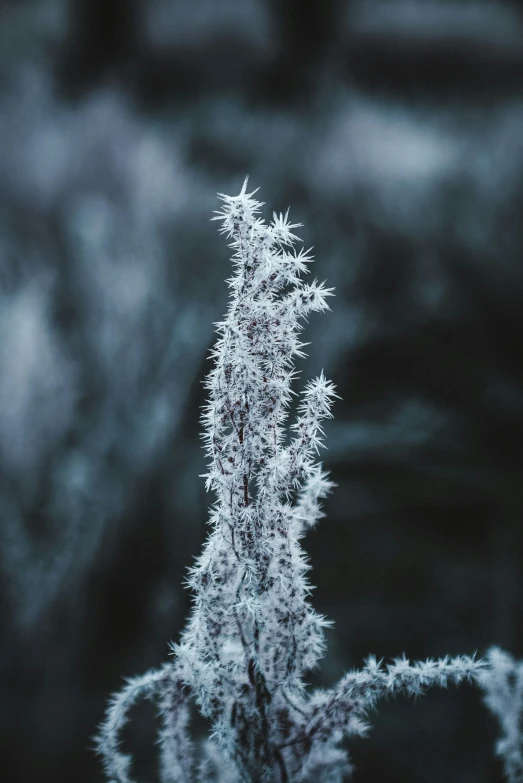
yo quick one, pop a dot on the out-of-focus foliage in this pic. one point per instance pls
(394, 130)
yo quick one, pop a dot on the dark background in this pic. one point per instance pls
(394, 130)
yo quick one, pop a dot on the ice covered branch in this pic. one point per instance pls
(252, 634)
(502, 682)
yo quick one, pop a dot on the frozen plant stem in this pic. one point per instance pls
(502, 683)
(252, 634)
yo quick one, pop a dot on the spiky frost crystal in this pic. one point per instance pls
(252, 634)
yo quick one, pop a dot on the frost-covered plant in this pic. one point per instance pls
(502, 682)
(252, 635)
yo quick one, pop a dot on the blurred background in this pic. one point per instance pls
(394, 130)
